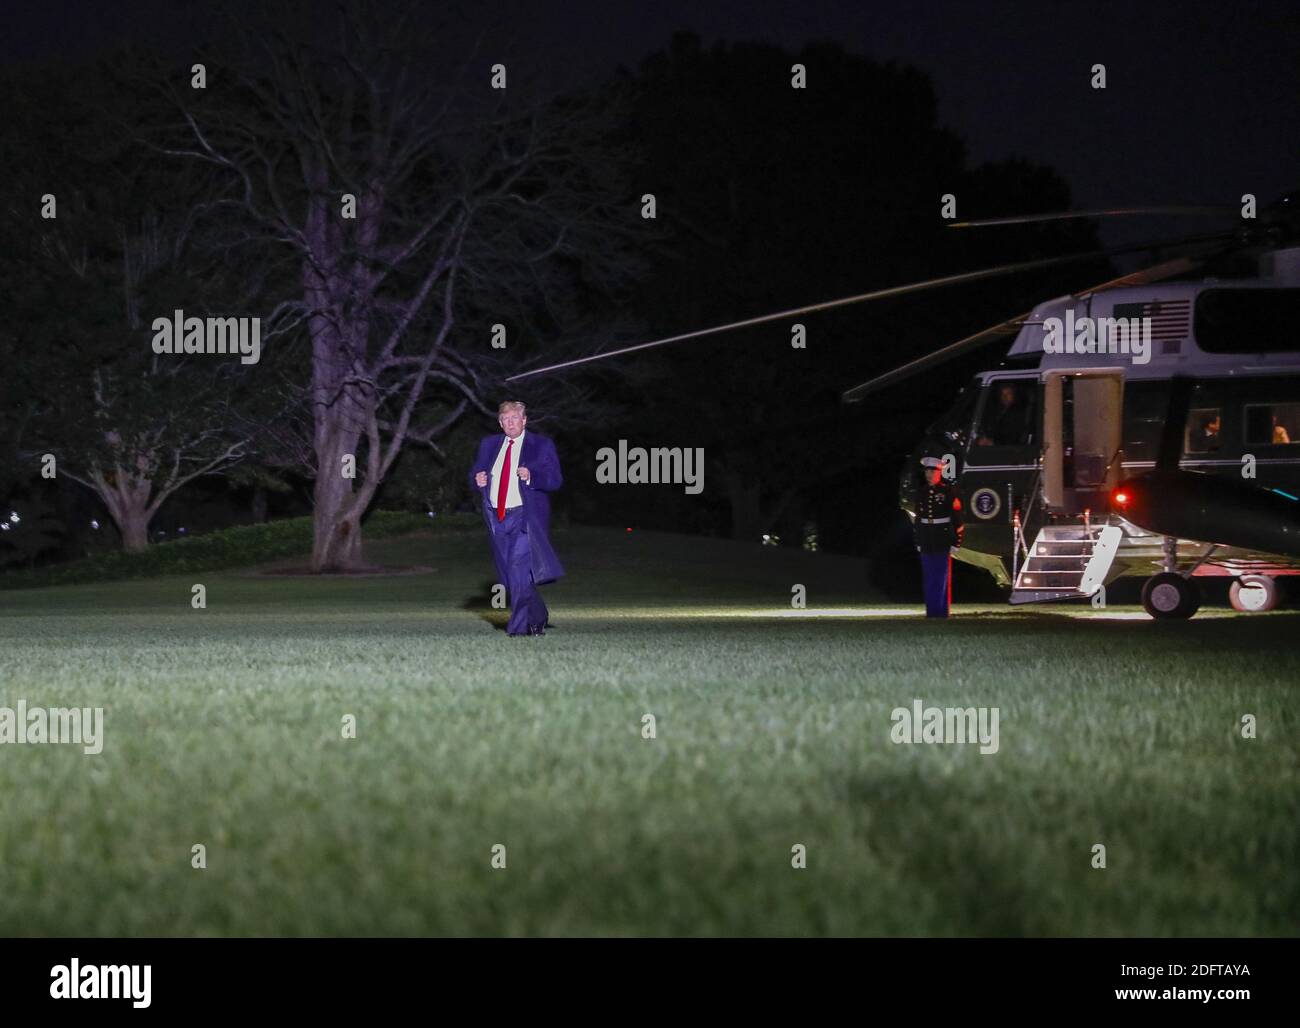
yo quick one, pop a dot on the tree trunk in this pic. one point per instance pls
(133, 523)
(259, 505)
(336, 520)
(127, 500)
(343, 397)
(336, 540)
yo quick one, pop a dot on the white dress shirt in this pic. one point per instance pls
(513, 499)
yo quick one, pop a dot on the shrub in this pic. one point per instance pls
(229, 548)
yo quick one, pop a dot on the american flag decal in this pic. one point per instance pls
(1171, 320)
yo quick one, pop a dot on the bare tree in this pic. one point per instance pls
(422, 207)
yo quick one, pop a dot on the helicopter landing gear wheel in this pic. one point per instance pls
(1252, 594)
(1168, 595)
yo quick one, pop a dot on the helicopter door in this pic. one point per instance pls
(1082, 438)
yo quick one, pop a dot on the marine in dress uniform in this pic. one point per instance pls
(936, 528)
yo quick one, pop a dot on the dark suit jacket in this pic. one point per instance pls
(543, 463)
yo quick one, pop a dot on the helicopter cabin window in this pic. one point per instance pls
(1248, 320)
(1204, 430)
(1273, 424)
(1010, 413)
(1145, 406)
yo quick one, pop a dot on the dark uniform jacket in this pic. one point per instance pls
(938, 513)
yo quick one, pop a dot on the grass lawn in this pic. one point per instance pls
(223, 728)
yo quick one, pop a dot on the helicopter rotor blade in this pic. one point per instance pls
(1155, 273)
(940, 356)
(1031, 219)
(876, 294)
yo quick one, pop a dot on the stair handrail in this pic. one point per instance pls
(1018, 523)
(1017, 546)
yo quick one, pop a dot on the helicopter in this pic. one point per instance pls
(1172, 456)
(1144, 426)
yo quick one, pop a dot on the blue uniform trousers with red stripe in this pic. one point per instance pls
(934, 574)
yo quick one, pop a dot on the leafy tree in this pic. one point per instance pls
(773, 198)
(99, 243)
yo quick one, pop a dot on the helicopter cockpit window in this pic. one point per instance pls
(1273, 424)
(1009, 417)
(954, 426)
(1204, 428)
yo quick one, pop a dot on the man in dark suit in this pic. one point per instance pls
(514, 472)
(1007, 424)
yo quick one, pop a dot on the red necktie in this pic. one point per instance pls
(503, 487)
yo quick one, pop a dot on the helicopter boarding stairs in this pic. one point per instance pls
(1067, 561)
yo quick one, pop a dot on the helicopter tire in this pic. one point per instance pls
(1169, 596)
(1253, 594)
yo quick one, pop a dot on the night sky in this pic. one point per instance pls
(1200, 105)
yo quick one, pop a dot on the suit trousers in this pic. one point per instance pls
(514, 556)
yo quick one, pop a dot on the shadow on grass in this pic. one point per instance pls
(480, 603)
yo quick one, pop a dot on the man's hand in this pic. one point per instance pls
(480, 479)
(526, 475)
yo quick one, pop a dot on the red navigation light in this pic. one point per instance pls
(1121, 498)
